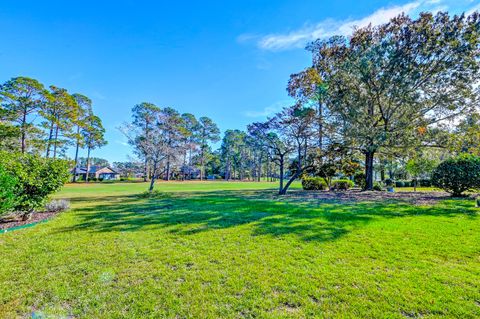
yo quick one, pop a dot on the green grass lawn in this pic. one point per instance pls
(235, 250)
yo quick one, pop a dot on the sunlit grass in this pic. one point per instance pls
(236, 250)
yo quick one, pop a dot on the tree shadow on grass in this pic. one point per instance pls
(191, 213)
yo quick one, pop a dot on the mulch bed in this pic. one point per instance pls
(416, 198)
(37, 217)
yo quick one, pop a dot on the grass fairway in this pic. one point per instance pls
(235, 250)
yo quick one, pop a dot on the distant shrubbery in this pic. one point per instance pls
(458, 175)
(342, 184)
(31, 179)
(377, 187)
(314, 183)
(360, 180)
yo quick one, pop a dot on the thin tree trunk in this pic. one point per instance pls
(281, 164)
(55, 142)
(23, 126)
(167, 177)
(77, 146)
(369, 170)
(202, 164)
(49, 141)
(88, 165)
(145, 169)
(152, 181)
(320, 128)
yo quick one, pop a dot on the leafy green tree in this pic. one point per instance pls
(458, 175)
(466, 136)
(84, 110)
(296, 123)
(61, 113)
(388, 83)
(22, 99)
(190, 142)
(420, 166)
(93, 135)
(172, 126)
(96, 161)
(277, 145)
(208, 132)
(308, 86)
(144, 117)
(37, 179)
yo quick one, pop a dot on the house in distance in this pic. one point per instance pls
(96, 172)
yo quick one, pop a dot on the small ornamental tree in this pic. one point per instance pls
(458, 175)
(37, 179)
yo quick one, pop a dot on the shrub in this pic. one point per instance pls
(342, 184)
(458, 175)
(377, 187)
(399, 184)
(389, 182)
(424, 182)
(59, 205)
(314, 183)
(360, 180)
(8, 189)
(37, 178)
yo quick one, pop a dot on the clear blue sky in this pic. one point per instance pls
(229, 60)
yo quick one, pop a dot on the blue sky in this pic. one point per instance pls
(229, 60)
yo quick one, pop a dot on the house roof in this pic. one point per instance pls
(93, 169)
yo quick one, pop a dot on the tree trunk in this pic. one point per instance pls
(369, 170)
(281, 164)
(145, 169)
(284, 190)
(320, 124)
(77, 146)
(167, 176)
(88, 165)
(49, 141)
(152, 181)
(23, 126)
(55, 142)
(202, 164)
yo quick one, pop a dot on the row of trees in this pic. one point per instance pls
(387, 91)
(39, 120)
(396, 98)
(169, 142)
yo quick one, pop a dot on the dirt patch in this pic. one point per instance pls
(37, 217)
(416, 198)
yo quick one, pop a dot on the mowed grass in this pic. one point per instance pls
(236, 250)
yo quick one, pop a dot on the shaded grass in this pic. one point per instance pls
(244, 253)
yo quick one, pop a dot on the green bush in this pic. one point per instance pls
(424, 182)
(389, 182)
(399, 184)
(458, 175)
(360, 180)
(377, 187)
(342, 184)
(37, 178)
(314, 183)
(8, 189)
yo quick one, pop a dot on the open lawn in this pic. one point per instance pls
(236, 250)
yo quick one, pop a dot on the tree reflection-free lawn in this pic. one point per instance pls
(235, 250)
